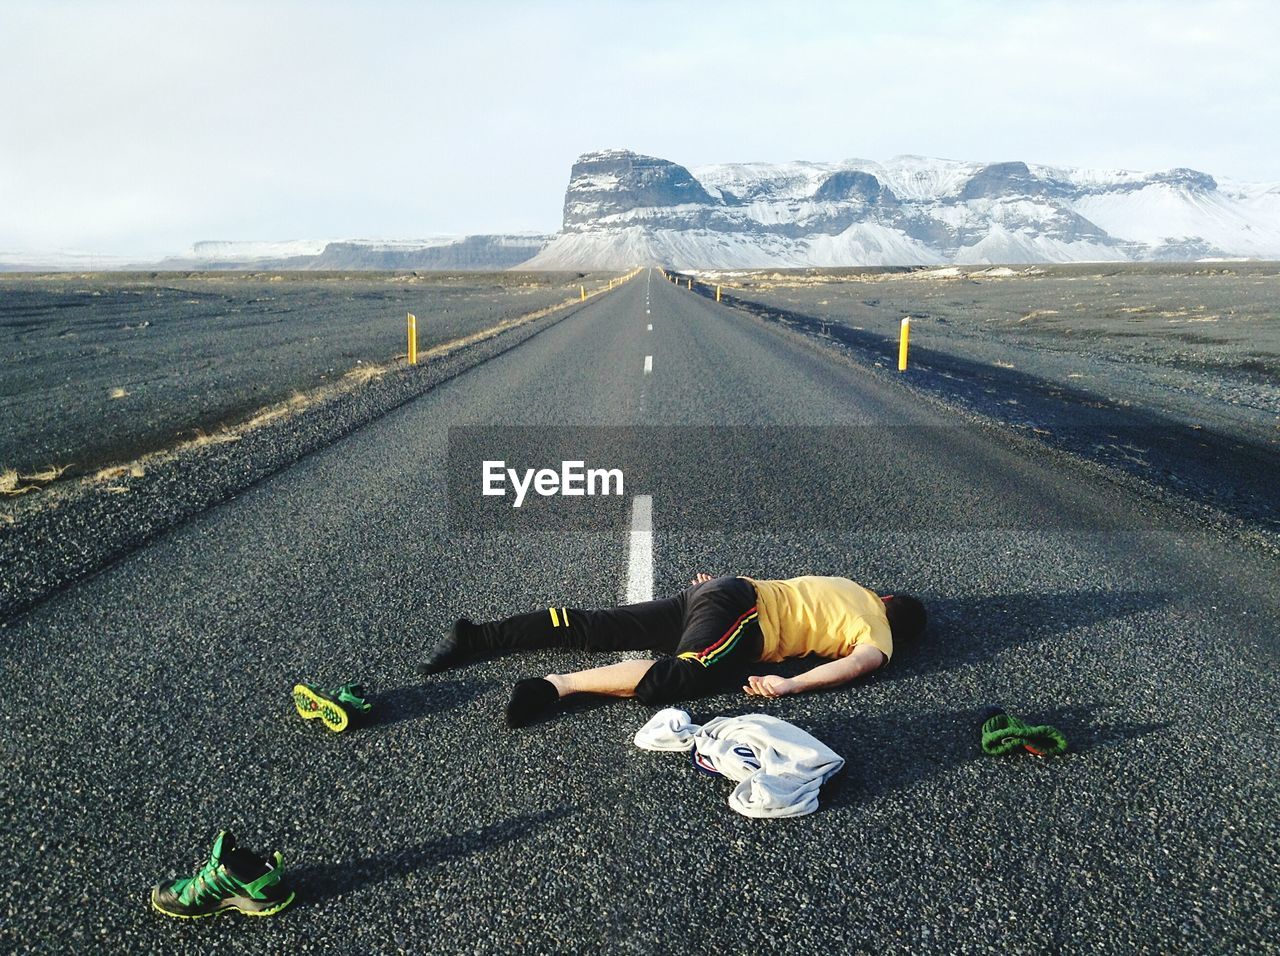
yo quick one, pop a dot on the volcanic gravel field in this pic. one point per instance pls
(96, 369)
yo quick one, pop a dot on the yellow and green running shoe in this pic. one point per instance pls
(233, 879)
(337, 708)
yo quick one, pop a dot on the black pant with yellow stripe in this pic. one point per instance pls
(705, 635)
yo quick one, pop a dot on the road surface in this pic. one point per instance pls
(149, 706)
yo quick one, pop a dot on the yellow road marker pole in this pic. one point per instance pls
(582, 293)
(413, 339)
(717, 293)
(690, 285)
(902, 345)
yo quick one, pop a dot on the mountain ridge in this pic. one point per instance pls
(623, 207)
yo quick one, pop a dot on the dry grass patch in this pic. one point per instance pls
(296, 403)
(361, 374)
(218, 437)
(12, 483)
(52, 473)
(118, 393)
(116, 472)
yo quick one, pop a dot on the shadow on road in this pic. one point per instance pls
(895, 754)
(968, 630)
(422, 700)
(321, 882)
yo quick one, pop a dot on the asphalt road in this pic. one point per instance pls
(148, 706)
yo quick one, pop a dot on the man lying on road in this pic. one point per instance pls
(706, 635)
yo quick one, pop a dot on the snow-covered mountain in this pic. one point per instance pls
(622, 208)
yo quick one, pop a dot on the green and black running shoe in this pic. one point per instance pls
(337, 708)
(233, 879)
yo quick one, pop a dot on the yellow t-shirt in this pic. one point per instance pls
(823, 616)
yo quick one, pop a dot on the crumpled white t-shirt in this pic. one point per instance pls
(779, 767)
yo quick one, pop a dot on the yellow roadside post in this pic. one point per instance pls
(690, 285)
(902, 345)
(582, 293)
(413, 339)
(717, 293)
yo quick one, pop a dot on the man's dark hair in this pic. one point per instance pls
(907, 617)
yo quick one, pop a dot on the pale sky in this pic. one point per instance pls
(138, 128)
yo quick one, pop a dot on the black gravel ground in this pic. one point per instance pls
(148, 706)
(97, 369)
(1168, 373)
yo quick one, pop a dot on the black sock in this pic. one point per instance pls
(450, 649)
(529, 698)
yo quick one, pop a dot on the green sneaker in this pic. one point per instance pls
(233, 879)
(336, 708)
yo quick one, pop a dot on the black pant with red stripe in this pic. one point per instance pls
(705, 635)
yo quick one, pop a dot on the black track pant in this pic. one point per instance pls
(705, 633)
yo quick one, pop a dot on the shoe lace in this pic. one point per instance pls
(208, 882)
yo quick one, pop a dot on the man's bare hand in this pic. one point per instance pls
(700, 578)
(771, 685)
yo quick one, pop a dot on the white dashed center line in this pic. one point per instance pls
(640, 560)
(649, 327)
(648, 364)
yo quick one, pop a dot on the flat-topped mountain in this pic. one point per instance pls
(623, 208)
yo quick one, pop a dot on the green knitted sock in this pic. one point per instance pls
(1003, 733)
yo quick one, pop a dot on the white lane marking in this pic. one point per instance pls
(648, 364)
(640, 559)
(647, 312)
(649, 327)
